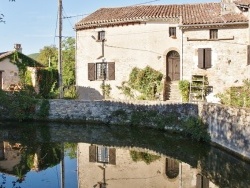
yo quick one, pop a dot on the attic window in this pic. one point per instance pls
(172, 32)
(101, 36)
(213, 34)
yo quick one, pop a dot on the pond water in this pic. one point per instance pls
(67, 156)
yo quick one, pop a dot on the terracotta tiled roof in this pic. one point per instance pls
(5, 54)
(205, 13)
(242, 2)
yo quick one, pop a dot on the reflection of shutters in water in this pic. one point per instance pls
(112, 156)
(92, 153)
(102, 154)
(1, 151)
(202, 182)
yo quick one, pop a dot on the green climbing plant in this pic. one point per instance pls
(184, 86)
(143, 84)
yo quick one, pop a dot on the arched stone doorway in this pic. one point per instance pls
(173, 66)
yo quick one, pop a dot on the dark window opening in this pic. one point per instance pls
(172, 32)
(101, 36)
(213, 33)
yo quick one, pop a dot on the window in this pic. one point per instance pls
(101, 36)
(204, 58)
(102, 154)
(213, 34)
(172, 32)
(101, 71)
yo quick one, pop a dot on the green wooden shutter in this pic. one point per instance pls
(92, 153)
(91, 71)
(111, 71)
(112, 156)
(208, 58)
(200, 58)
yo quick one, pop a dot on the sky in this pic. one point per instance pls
(33, 23)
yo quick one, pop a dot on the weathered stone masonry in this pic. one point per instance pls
(229, 127)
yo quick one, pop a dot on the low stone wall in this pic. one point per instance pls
(229, 127)
(114, 112)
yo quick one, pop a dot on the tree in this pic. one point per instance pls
(48, 56)
(68, 58)
(1, 15)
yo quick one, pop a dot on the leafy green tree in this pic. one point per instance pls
(68, 53)
(48, 56)
(1, 15)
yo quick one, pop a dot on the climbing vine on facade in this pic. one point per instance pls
(143, 84)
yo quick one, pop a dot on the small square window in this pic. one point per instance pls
(172, 32)
(101, 36)
(213, 33)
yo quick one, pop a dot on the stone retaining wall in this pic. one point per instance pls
(229, 127)
(114, 111)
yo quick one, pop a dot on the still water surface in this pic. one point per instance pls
(68, 156)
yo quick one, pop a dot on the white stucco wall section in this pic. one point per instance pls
(128, 46)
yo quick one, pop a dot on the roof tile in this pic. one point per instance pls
(201, 13)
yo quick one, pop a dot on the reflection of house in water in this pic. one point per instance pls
(101, 167)
(9, 156)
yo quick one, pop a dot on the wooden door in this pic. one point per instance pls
(173, 66)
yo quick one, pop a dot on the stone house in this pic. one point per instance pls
(207, 39)
(9, 71)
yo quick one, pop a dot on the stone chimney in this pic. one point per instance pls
(18, 47)
(228, 6)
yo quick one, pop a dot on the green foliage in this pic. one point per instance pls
(48, 56)
(71, 150)
(146, 81)
(196, 129)
(191, 126)
(47, 80)
(106, 88)
(143, 156)
(237, 96)
(17, 105)
(44, 109)
(68, 52)
(71, 93)
(184, 87)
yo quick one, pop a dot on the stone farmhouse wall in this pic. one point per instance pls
(129, 46)
(10, 75)
(229, 56)
(228, 127)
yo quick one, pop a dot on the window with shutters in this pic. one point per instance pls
(172, 32)
(102, 154)
(213, 34)
(204, 58)
(101, 71)
(101, 36)
(201, 181)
